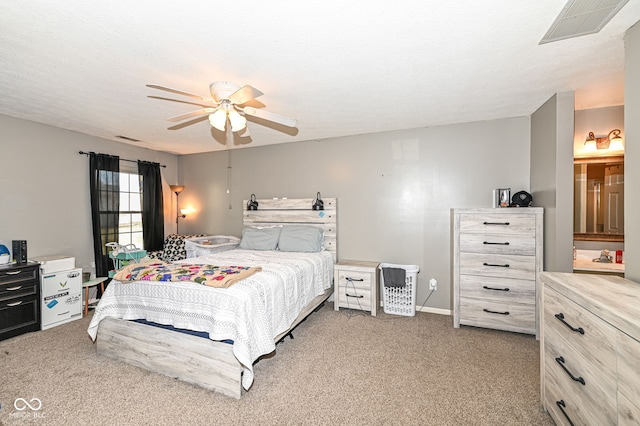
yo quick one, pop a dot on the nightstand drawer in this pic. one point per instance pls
(354, 297)
(355, 279)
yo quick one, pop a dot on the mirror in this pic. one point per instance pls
(598, 202)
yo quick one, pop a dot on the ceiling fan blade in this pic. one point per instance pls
(180, 92)
(245, 94)
(192, 114)
(271, 116)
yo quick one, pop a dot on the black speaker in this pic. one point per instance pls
(19, 250)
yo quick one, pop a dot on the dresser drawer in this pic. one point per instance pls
(496, 223)
(498, 289)
(18, 289)
(354, 279)
(354, 297)
(582, 331)
(564, 407)
(588, 387)
(498, 243)
(629, 377)
(17, 314)
(628, 412)
(498, 265)
(18, 275)
(500, 315)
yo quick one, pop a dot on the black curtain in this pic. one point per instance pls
(104, 180)
(152, 205)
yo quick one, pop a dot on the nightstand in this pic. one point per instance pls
(357, 285)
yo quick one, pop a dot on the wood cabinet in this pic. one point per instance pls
(19, 299)
(590, 349)
(497, 259)
(357, 284)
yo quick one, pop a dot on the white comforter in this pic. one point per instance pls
(251, 312)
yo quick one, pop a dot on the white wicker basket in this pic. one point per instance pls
(400, 300)
(202, 246)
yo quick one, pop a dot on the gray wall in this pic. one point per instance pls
(44, 187)
(395, 190)
(552, 129)
(632, 153)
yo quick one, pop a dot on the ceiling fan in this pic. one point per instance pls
(228, 107)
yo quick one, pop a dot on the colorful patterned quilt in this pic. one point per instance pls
(211, 275)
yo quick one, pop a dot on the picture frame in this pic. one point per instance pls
(503, 198)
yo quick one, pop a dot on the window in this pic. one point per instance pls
(130, 218)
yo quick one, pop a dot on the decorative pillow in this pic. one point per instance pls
(260, 238)
(300, 238)
(173, 248)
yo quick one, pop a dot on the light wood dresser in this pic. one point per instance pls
(590, 349)
(497, 259)
(357, 283)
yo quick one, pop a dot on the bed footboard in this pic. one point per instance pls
(192, 359)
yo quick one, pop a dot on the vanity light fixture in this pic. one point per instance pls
(612, 141)
(181, 213)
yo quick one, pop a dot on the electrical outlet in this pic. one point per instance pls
(433, 284)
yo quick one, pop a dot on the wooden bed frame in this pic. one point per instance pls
(203, 362)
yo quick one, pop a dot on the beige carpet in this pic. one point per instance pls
(343, 368)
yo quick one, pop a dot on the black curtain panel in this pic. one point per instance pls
(152, 205)
(104, 180)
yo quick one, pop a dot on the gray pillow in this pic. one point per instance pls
(260, 238)
(300, 238)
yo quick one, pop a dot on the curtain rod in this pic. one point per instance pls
(121, 159)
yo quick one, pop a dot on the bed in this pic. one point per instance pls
(243, 321)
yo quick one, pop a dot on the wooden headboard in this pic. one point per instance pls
(297, 211)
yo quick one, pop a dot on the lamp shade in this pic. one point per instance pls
(218, 119)
(238, 122)
(177, 188)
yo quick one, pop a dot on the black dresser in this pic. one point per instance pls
(19, 299)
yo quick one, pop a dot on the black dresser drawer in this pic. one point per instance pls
(18, 274)
(19, 299)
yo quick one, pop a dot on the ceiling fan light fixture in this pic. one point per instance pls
(218, 119)
(238, 122)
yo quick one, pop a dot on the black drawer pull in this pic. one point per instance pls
(496, 289)
(15, 303)
(560, 360)
(353, 295)
(497, 223)
(506, 265)
(495, 244)
(354, 279)
(14, 288)
(496, 312)
(561, 405)
(560, 318)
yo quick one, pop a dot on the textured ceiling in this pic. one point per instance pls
(340, 68)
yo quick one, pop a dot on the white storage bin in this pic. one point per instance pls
(400, 300)
(202, 246)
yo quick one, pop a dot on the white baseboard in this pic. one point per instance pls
(434, 310)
